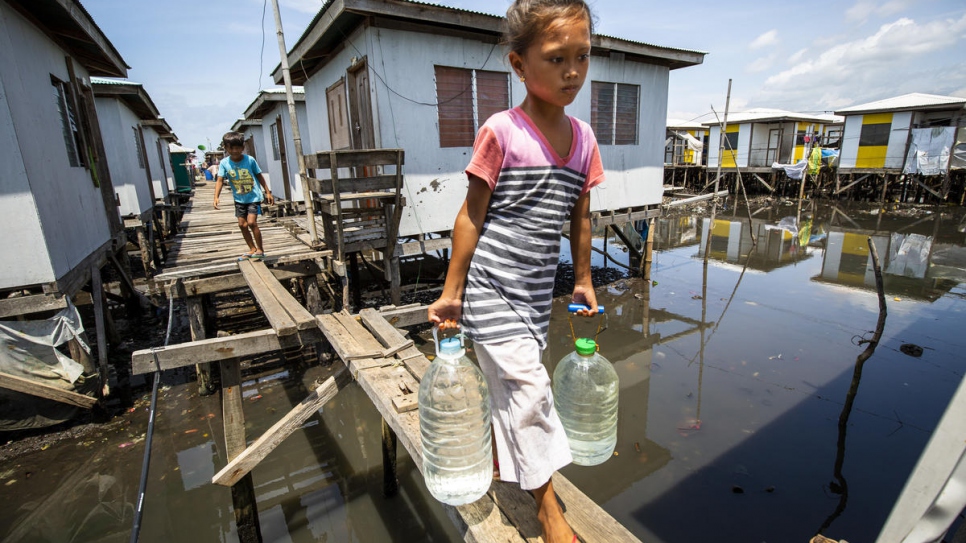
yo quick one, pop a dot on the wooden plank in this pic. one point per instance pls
(247, 460)
(33, 388)
(355, 366)
(215, 268)
(386, 333)
(342, 341)
(592, 524)
(97, 293)
(408, 402)
(362, 184)
(303, 319)
(221, 283)
(351, 159)
(362, 336)
(25, 305)
(278, 317)
(207, 350)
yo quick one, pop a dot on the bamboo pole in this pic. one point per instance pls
(721, 138)
(290, 98)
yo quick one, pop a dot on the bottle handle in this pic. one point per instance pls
(573, 308)
(436, 332)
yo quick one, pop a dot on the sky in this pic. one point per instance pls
(204, 61)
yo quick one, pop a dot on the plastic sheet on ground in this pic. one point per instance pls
(29, 348)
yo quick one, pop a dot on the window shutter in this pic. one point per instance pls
(625, 130)
(602, 112)
(492, 93)
(454, 98)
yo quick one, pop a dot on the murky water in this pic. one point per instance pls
(734, 378)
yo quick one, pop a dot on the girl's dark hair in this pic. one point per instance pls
(525, 19)
(233, 139)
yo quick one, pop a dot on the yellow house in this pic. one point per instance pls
(909, 134)
(757, 138)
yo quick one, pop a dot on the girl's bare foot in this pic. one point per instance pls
(551, 517)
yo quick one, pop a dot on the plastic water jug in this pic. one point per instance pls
(585, 389)
(454, 422)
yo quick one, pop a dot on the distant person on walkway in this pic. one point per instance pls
(241, 171)
(532, 170)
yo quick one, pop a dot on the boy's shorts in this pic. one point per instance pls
(244, 210)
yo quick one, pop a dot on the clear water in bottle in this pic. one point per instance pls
(585, 389)
(454, 422)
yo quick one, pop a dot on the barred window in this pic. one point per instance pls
(138, 147)
(273, 130)
(614, 112)
(68, 119)
(465, 100)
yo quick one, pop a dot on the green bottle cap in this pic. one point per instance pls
(585, 346)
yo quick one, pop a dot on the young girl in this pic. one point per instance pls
(532, 170)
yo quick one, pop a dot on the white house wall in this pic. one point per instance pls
(28, 263)
(849, 151)
(159, 176)
(274, 167)
(118, 124)
(896, 152)
(435, 183)
(68, 207)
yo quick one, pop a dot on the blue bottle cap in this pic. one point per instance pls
(450, 346)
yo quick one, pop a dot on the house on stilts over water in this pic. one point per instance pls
(424, 77)
(268, 138)
(136, 140)
(58, 208)
(909, 148)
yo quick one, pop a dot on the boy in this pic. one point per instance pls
(241, 171)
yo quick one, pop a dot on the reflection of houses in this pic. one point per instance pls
(910, 134)
(423, 77)
(758, 138)
(276, 146)
(731, 242)
(135, 140)
(913, 265)
(672, 232)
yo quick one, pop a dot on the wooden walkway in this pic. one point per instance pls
(375, 353)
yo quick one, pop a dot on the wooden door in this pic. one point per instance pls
(360, 107)
(283, 156)
(340, 136)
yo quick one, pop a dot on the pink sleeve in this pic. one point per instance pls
(595, 170)
(487, 160)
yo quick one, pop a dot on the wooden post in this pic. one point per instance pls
(144, 245)
(242, 492)
(97, 293)
(196, 321)
(130, 293)
(649, 249)
(390, 484)
(82, 357)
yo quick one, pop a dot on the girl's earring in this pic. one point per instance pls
(523, 79)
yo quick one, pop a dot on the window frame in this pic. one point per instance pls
(273, 132)
(458, 118)
(609, 114)
(70, 122)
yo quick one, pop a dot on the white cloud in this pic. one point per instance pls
(961, 93)
(892, 43)
(766, 39)
(797, 56)
(863, 9)
(761, 64)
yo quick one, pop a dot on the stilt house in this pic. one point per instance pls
(57, 200)
(131, 127)
(757, 138)
(252, 129)
(686, 143)
(913, 134)
(277, 158)
(424, 77)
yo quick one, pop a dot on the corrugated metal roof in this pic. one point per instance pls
(759, 115)
(112, 81)
(678, 123)
(915, 100)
